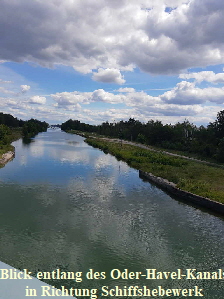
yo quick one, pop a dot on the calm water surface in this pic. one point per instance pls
(67, 205)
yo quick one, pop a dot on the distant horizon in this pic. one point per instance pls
(111, 122)
(112, 60)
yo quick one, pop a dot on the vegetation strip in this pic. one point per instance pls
(189, 176)
(198, 142)
(156, 150)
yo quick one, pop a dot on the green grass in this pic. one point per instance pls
(195, 177)
(85, 134)
(5, 148)
(153, 147)
(187, 154)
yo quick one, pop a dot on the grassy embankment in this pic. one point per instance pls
(191, 176)
(156, 148)
(15, 134)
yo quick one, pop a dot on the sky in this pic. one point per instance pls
(111, 60)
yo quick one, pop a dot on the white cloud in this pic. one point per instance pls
(24, 88)
(187, 93)
(107, 35)
(126, 89)
(71, 98)
(184, 100)
(132, 98)
(4, 102)
(108, 76)
(165, 113)
(101, 95)
(141, 98)
(37, 100)
(5, 82)
(207, 76)
(5, 91)
(110, 115)
(183, 94)
(137, 105)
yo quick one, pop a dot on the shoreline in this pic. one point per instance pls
(7, 152)
(6, 157)
(172, 189)
(147, 147)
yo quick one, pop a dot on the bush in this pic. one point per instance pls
(4, 134)
(220, 151)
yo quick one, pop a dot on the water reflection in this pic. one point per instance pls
(73, 207)
(27, 141)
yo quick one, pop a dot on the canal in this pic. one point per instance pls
(65, 205)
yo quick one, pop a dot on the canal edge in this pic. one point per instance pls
(171, 188)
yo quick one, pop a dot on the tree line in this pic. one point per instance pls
(29, 128)
(33, 126)
(183, 136)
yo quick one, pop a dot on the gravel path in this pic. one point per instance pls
(160, 151)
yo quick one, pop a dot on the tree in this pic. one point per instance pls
(218, 125)
(33, 127)
(220, 151)
(4, 133)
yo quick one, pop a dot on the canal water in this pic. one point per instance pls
(65, 205)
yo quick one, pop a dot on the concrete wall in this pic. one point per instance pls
(187, 196)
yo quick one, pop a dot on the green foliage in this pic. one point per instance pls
(160, 158)
(4, 134)
(33, 127)
(8, 135)
(11, 129)
(10, 121)
(218, 125)
(189, 175)
(141, 138)
(29, 128)
(185, 136)
(220, 151)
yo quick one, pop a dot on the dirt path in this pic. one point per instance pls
(159, 151)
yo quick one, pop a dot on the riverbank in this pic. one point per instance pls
(7, 151)
(187, 175)
(7, 157)
(172, 189)
(182, 154)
